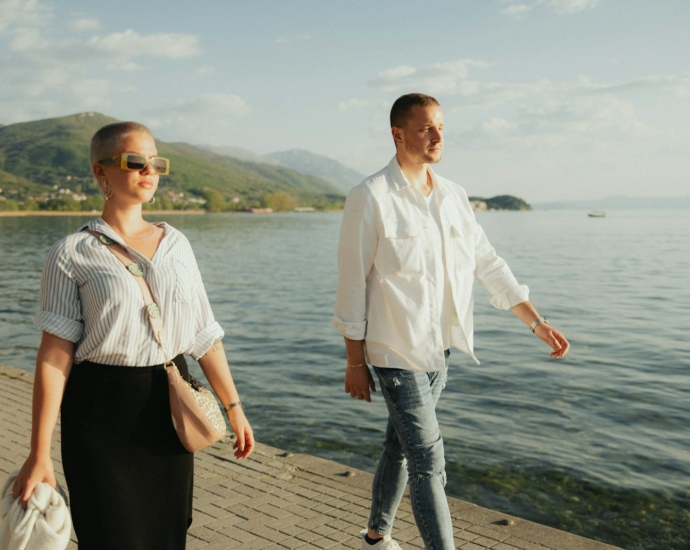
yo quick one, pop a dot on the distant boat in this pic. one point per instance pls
(597, 214)
(261, 210)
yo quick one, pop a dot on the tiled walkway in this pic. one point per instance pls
(279, 500)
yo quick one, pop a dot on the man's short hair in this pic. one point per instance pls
(107, 139)
(401, 111)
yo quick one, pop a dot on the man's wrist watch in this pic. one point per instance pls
(538, 321)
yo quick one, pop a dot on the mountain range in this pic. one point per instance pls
(48, 160)
(41, 156)
(306, 162)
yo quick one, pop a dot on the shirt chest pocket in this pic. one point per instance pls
(182, 282)
(400, 250)
(462, 240)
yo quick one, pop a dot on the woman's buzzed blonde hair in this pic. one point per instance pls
(106, 140)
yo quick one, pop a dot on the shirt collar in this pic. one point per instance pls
(99, 225)
(400, 181)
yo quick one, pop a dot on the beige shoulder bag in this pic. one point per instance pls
(195, 411)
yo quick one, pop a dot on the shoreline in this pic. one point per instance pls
(51, 213)
(26, 213)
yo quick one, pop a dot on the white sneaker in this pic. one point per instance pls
(386, 543)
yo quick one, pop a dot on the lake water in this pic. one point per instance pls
(597, 443)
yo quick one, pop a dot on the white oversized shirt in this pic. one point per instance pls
(443, 290)
(388, 287)
(88, 297)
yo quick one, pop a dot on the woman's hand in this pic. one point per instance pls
(34, 471)
(53, 365)
(244, 445)
(215, 367)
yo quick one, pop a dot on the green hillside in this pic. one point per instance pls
(39, 158)
(503, 202)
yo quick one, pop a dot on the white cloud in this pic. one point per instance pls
(497, 126)
(516, 11)
(450, 79)
(130, 44)
(568, 126)
(23, 12)
(206, 70)
(208, 118)
(354, 103)
(216, 105)
(83, 24)
(583, 114)
(572, 6)
(28, 39)
(32, 49)
(678, 84)
(438, 78)
(60, 67)
(562, 7)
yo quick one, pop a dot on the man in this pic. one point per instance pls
(410, 249)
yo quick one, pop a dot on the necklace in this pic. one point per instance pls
(141, 238)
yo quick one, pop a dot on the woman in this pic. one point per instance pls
(130, 479)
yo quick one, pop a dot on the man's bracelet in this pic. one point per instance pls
(538, 321)
(355, 366)
(232, 405)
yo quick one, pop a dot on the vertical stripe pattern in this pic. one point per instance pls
(88, 297)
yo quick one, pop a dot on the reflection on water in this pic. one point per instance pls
(596, 444)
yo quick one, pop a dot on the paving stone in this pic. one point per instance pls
(324, 543)
(285, 521)
(488, 532)
(205, 534)
(220, 524)
(340, 536)
(292, 543)
(524, 544)
(291, 530)
(236, 533)
(485, 542)
(270, 534)
(307, 536)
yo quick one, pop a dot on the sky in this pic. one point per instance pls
(543, 99)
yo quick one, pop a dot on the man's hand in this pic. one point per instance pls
(527, 313)
(359, 382)
(553, 338)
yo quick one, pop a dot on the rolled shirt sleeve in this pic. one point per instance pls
(207, 329)
(60, 310)
(356, 251)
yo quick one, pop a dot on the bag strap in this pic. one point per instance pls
(153, 311)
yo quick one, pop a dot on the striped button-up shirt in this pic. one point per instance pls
(88, 297)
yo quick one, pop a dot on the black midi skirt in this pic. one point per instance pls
(130, 480)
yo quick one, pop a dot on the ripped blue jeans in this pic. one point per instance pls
(412, 452)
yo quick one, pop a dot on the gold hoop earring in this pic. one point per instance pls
(106, 189)
(152, 201)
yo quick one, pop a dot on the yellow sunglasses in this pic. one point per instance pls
(134, 162)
